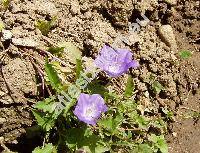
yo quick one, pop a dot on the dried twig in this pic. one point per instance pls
(54, 57)
(41, 74)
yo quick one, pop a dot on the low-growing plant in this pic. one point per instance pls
(97, 120)
(192, 114)
(45, 26)
(2, 26)
(5, 4)
(157, 87)
(185, 54)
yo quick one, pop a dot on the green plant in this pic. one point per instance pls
(129, 87)
(48, 148)
(193, 114)
(2, 26)
(5, 4)
(122, 127)
(185, 54)
(168, 114)
(159, 143)
(45, 26)
(56, 50)
(157, 87)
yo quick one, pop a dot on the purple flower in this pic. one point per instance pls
(115, 62)
(89, 108)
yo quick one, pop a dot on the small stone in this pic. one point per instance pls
(45, 7)
(75, 8)
(2, 120)
(174, 134)
(7, 35)
(2, 93)
(24, 42)
(15, 8)
(133, 38)
(171, 2)
(141, 86)
(88, 15)
(1, 140)
(84, 7)
(14, 142)
(153, 67)
(167, 35)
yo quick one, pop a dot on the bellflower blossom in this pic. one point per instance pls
(89, 108)
(115, 62)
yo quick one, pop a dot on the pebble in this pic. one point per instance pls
(141, 86)
(15, 8)
(167, 35)
(24, 42)
(75, 8)
(7, 35)
(45, 7)
(2, 120)
(171, 2)
(2, 93)
(133, 38)
(1, 140)
(174, 134)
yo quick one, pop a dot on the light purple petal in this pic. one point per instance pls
(124, 55)
(134, 64)
(89, 108)
(115, 62)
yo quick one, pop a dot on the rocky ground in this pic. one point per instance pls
(174, 26)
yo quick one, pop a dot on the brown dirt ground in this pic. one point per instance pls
(185, 137)
(89, 24)
(187, 134)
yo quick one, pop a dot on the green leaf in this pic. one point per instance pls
(77, 138)
(185, 54)
(46, 121)
(111, 96)
(47, 105)
(143, 148)
(53, 76)
(169, 114)
(157, 87)
(2, 26)
(96, 88)
(5, 3)
(79, 68)
(130, 86)
(127, 106)
(111, 123)
(159, 142)
(48, 148)
(45, 26)
(56, 50)
(162, 145)
(142, 121)
(73, 52)
(107, 124)
(195, 115)
(68, 106)
(160, 124)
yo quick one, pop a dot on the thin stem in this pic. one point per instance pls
(54, 57)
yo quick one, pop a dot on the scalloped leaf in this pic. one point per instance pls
(53, 76)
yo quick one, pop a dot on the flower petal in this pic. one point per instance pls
(89, 108)
(115, 62)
